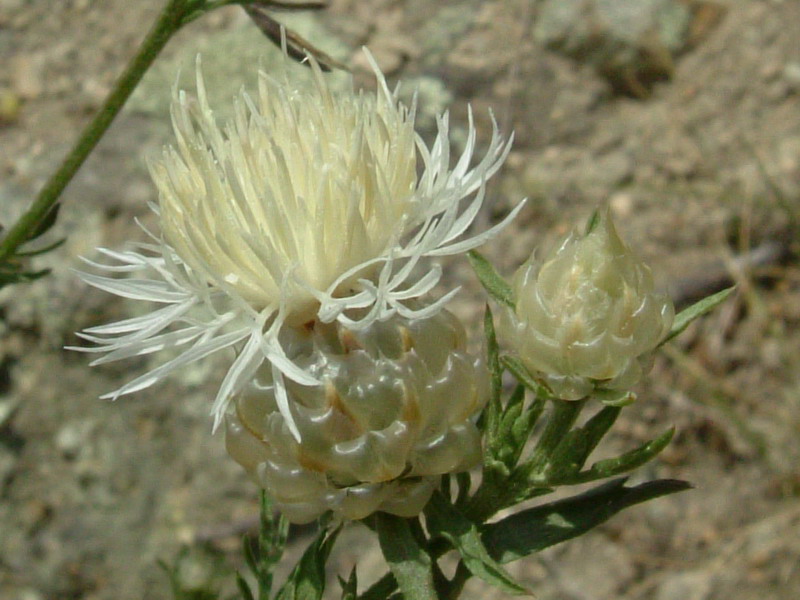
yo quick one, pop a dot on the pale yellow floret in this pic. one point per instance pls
(302, 186)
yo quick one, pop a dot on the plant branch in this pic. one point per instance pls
(172, 17)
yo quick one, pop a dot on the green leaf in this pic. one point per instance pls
(574, 449)
(349, 587)
(10, 276)
(490, 279)
(444, 520)
(559, 422)
(628, 461)
(521, 429)
(464, 480)
(244, 588)
(490, 417)
(46, 223)
(40, 251)
(540, 527)
(594, 220)
(522, 375)
(381, 589)
(696, 310)
(249, 555)
(410, 563)
(307, 580)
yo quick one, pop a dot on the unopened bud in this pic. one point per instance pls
(588, 315)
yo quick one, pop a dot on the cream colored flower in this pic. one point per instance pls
(587, 315)
(394, 411)
(307, 205)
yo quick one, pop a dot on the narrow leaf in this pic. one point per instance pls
(244, 588)
(443, 519)
(349, 587)
(46, 223)
(40, 251)
(521, 429)
(522, 375)
(381, 589)
(410, 563)
(490, 279)
(628, 461)
(537, 528)
(572, 452)
(490, 417)
(696, 310)
(307, 580)
(464, 480)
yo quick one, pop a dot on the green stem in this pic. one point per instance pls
(563, 417)
(171, 19)
(494, 495)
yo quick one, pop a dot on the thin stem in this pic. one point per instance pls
(172, 17)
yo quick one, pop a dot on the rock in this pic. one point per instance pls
(632, 43)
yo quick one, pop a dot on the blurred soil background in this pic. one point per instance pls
(684, 116)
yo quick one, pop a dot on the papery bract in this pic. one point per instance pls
(587, 315)
(394, 411)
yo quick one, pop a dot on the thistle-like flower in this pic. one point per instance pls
(395, 410)
(306, 206)
(588, 315)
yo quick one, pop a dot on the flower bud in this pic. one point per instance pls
(587, 317)
(394, 410)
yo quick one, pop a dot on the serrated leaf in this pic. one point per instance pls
(696, 310)
(490, 279)
(444, 520)
(537, 528)
(410, 563)
(628, 461)
(307, 580)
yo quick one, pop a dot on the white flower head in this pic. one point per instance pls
(306, 204)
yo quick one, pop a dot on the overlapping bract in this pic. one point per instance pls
(395, 410)
(587, 315)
